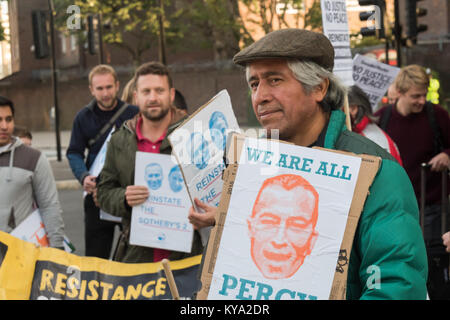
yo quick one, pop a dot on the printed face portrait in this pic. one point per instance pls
(282, 225)
(218, 125)
(175, 179)
(153, 176)
(197, 148)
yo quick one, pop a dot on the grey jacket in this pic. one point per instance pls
(26, 178)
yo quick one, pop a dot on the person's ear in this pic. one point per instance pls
(321, 89)
(172, 95)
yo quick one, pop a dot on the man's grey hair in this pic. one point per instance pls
(310, 75)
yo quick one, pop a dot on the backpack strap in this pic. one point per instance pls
(109, 124)
(384, 120)
(437, 141)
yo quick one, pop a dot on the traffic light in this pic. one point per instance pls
(376, 15)
(412, 14)
(91, 35)
(40, 38)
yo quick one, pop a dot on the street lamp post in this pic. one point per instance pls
(397, 33)
(162, 42)
(55, 80)
(100, 37)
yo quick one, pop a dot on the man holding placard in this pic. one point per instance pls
(90, 130)
(294, 91)
(147, 132)
(26, 181)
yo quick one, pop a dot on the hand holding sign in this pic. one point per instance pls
(89, 183)
(204, 219)
(136, 195)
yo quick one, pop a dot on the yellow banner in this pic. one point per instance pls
(30, 272)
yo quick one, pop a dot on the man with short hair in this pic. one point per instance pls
(26, 179)
(146, 132)
(421, 131)
(293, 90)
(90, 129)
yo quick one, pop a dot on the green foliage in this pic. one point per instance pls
(313, 17)
(130, 25)
(134, 24)
(211, 23)
(270, 15)
(2, 34)
(361, 42)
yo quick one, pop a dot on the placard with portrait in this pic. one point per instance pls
(161, 221)
(282, 223)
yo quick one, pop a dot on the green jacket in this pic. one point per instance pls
(118, 173)
(388, 241)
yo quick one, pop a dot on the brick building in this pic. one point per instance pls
(28, 81)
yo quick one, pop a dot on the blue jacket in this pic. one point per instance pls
(86, 125)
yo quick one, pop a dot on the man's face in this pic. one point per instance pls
(6, 125)
(153, 96)
(279, 100)
(282, 230)
(153, 176)
(104, 89)
(414, 99)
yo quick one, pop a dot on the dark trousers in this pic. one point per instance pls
(98, 234)
(438, 260)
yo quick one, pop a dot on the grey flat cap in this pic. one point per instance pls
(290, 44)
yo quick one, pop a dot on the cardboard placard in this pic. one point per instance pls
(250, 289)
(335, 28)
(95, 170)
(32, 229)
(161, 221)
(373, 77)
(198, 145)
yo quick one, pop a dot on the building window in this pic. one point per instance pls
(73, 42)
(62, 36)
(5, 46)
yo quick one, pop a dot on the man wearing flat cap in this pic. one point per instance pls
(294, 91)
